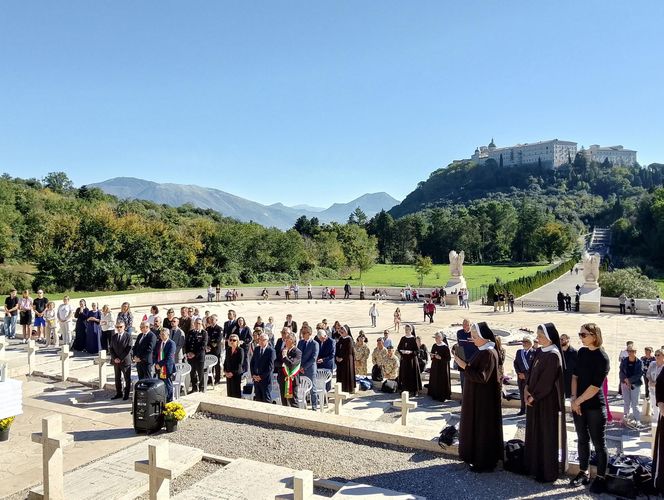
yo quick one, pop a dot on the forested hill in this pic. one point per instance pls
(580, 181)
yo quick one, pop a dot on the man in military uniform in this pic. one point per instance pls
(196, 342)
(215, 343)
(390, 365)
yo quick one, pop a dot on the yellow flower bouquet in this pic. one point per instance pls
(6, 423)
(174, 411)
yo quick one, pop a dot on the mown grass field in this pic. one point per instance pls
(660, 283)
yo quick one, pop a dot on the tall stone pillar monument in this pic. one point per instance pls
(456, 281)
(590, 295)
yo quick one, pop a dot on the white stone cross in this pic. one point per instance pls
(53, 440)
(303, 485)
(102, 368)
(32, 357)
(339, 397)
(405, 405)
(4, 368)
(158, 468)
(64, 358)
(3, 345)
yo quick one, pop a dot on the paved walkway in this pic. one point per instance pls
(547, 293)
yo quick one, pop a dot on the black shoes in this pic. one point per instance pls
(117, 396)
(581, 478)
(125, 397)
(598, 486)
(521, 413)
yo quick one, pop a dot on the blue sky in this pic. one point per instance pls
(317, 102)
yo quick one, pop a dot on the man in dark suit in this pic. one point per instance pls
(289, 375)
(290, 323)
(119, 347)
(262, 365)
(279, 348)
(215, 345)
(230, 326)
(165, 364)
(195, 352)
(143, 351)
(522, 363)
(309, 349)
(177, 336)
(185, 320)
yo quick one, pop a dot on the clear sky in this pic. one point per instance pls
(318, 101)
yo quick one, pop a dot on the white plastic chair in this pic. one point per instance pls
(210, 362)
(275, 390)
(181, 372)
(304, 387)
(323, 376)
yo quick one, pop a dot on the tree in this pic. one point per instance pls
(58, 182)
(629, 281)
(358, 247)
(423, 267)
(553, 239)
(357, 217)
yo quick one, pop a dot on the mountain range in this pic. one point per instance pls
(229, 205)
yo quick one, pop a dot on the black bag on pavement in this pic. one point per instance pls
(447, 436)
(390, 386)
(377, 373)
(515, 451)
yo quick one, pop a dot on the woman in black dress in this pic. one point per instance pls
(245, 336)
(409, 369)
(345, 358)
(233, 367)
(422, 354)
(81, 315)
(440, 387)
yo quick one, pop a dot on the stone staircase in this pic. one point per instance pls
(600, 241)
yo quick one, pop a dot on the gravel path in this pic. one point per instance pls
(393, 467)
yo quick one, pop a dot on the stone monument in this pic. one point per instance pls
(456, 281)
(590, 295)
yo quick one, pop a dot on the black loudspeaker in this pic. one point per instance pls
(149, 401)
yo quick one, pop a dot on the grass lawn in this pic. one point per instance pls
(660, 283)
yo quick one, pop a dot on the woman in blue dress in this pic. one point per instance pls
(93, 330)
(81, 315)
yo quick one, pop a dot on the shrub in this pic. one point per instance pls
(527, 284)
(629, 281)
(14, 279)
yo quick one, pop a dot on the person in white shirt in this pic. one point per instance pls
(373, 314)
(65, 314)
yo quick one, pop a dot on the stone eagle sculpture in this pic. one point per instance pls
(456, 263)
(591, 268)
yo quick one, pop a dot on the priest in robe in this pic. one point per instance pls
(345, 358)
(546, 432)
(481, 428)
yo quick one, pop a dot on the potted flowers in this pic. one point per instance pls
(5, 424)
(173, 413)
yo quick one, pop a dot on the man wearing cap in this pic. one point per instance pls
(522, 363)
(119, 348)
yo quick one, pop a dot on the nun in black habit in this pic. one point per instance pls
(545, 408)
(481, 427)
(409, 369)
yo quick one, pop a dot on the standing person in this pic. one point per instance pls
(127, 317)
(165, 364)
(233, 367)
(39, 308)
(196, 342)
(230, 325)
(373, 314)
(309, 294)
(25, 315)
(363, 291)
(397, 320)
(217, 292)
(106, 326)
(296, 291)
(215, 345)
(654, 369)
(245, 336)
(11, 313)
(144, 351)
(466, 297)
(622, 301)
(465, 342)
(93, 330)
(631, 373)
(658, 447)
(154, 312)
(361, 352)
(168, 320)
(561, 300)
(210, 293)
(65, 315)
(309, 349)
(345, 358)
(422, 354)
(269, 330)
(546, 433)
(645, 362)
(387, 341)
(510, 301)
(325, 359)
(658, 301)
(440, 387)
(119, 348)
(186, 321)
(177, 336)
(81, 315)
(290, 323)
(588, 405)
(481, 427)
(288, 377)
(409, 370)
(522, 363)
(262, 365)
(622, 355)
(51, 320)
(569, 354)
(347, 291)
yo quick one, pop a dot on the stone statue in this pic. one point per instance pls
(456, 263)
(591, 268)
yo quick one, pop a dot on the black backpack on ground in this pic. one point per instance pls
(377, 373)
(515, 460)
(390, 386)
(447, 436)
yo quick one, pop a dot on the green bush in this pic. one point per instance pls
(14, 279)
(527, 284)
(629, 281)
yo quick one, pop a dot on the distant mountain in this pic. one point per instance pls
(229, 205)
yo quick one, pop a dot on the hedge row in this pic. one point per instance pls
(527, 284)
